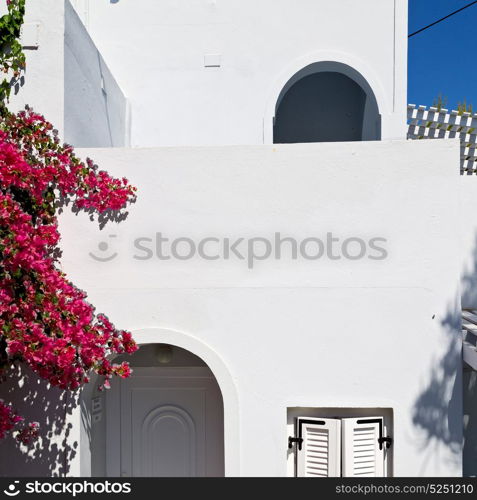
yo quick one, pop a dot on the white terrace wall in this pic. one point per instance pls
(434, 123)
(288, 333)
(210, 72)
(468, 225)
(82, 9)
(67, 79)
(96, 111)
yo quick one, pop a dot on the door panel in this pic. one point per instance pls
(171, 423)
(171, 426)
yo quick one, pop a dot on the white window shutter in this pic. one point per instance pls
(320, 453)
(362, 454)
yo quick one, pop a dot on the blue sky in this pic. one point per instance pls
(442, 58)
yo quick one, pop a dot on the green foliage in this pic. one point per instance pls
(464, 107)
(440, 102)
(12, 58)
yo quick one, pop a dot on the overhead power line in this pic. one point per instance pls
(443, 19)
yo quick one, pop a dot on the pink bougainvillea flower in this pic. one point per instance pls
(45, 321)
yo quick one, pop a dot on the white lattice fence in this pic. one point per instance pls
(431, 123)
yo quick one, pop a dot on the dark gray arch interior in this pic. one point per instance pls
(93, 435)
(326, 102)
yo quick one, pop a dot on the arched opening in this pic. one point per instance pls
(165, 420)
(326, 102)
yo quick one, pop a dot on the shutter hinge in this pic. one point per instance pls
(381, 439)
(299, 432)
(298, 441)
(388, 440)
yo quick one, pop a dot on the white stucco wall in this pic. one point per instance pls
(285, 334)
(44, 77)
(156, 50)
(296, 333)
(468, 196)
(96, 110)
(67, 79)
(82, 9)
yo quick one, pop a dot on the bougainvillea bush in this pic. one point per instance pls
(45, 321)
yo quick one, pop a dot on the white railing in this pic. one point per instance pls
(434, 123)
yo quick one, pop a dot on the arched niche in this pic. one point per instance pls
(326, 102)
(101, 437)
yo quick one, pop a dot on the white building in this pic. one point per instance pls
(336, 316)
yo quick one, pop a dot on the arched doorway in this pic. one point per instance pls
(165, 420)
(326, 102)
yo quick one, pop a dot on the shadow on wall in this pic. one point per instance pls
(438, 409)
(34, 399)
(470, 422)
(449, 388)
(469, 282)
(469, 301)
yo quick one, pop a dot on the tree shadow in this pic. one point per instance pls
(32, 397)
(469, 281)
(437, 412)
(446, 411)
(469, 301)
(470, 423)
